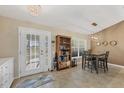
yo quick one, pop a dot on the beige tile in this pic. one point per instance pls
(77, 78)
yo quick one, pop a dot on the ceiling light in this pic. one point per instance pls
(93, 36)
(34, 9)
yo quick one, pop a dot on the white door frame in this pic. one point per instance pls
(19, 50)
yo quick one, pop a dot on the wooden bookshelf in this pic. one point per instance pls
(63, 51)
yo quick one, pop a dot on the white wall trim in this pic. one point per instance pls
(116, 65)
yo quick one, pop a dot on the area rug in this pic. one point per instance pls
(35, 82)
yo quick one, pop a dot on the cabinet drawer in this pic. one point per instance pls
(6, 73)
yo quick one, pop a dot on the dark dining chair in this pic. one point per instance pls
(103, 61)
(84, 58)
(90, 62)
(87, 61)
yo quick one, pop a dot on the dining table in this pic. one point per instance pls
(95, 57)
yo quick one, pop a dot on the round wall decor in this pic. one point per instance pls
(98, 43)
(105, 43)
(113, 43)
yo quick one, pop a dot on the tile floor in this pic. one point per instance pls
(77, 78)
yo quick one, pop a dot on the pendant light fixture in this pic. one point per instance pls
(34, 9)
(93, 36)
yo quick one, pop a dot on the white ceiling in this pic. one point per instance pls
(76, 18)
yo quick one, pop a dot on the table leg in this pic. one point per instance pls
(96, 65)
(82, 63)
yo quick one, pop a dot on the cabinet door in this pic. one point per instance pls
(6, 75)
(11, 70)
(1, 77)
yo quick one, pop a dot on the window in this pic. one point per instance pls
(81, 47)
(74, 48)
(78, 46)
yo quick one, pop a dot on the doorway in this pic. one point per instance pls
(34, 51)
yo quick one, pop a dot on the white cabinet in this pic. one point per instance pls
(6, 72)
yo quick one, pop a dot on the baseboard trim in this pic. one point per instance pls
(116, 65)
(16, 77)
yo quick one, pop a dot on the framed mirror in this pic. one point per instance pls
(98, 43)
(105, 43)
(113, 43)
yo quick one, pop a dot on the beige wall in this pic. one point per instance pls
(9, 36)
(115, 32)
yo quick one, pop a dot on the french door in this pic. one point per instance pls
(34, 51)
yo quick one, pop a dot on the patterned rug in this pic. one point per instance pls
(35, 82)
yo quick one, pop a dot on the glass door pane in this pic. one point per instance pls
(46, 50)
(32, 52)
(37, 51)
(28, 49)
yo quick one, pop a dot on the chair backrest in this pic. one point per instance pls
(85, 54)
(107, 54)
(88, 56)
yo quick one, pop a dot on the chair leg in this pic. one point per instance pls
(101, 64)
(106, 66)
(91, 68)
(84, 65)
(98, 64)
(96, 67)
(88, 64)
